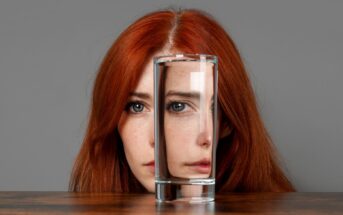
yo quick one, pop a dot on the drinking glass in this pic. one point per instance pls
(185, 126)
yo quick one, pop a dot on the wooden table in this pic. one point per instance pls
(230, 203)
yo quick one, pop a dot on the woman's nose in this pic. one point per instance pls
(205, 135)
(204, 139)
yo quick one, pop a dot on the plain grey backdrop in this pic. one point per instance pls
(50, 52)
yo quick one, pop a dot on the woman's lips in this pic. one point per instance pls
(202, 166)
(150, 165)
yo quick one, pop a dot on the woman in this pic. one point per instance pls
(117, 151)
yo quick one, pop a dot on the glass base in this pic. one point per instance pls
(185, 192)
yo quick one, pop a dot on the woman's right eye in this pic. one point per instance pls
(134, 107)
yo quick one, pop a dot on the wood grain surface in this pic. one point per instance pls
(112, 203)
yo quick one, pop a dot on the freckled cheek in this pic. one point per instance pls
(133, 134)
(180, 140)
(181, 132)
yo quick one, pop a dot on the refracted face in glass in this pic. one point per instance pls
(188, 118)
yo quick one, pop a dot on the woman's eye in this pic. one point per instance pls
(176, 106)
(135, 107)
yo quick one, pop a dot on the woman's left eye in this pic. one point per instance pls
(177, 107)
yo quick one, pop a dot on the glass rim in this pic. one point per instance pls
(181, 56)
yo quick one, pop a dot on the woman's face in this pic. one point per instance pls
(136, 129)
(188, 119)
(186, 143)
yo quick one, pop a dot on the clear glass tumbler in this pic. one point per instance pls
(185, 114)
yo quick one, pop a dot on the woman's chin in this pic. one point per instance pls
(151, 188)
(149, 185)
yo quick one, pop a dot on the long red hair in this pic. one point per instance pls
(246, 159)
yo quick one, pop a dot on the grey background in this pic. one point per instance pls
(50, 51)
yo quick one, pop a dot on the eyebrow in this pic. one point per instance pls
(140, 95)
(192, 95)
(183, 94)
(195, 95)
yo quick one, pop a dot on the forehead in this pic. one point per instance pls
(189, 75)
(189, 66)
(145, 83)
(180, 74)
